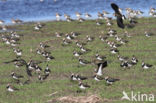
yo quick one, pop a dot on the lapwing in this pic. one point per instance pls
(111, 31)
(84, 49)
(98, 57)
(147, 34)
(10, 88)
(134, 60)
(42, 77)
(79, 77)
(109, 24)
(58, 16)
(66, 42)
(146, 66)
(114, 50)
(36, 27)
(69, 37)
(118, 15)
(77, 54)
(73, 77)
(38, 69)
(122, 41)
(83, 86)
(121, 58)
(74, 34)
(38, 51)
(98, 78)
(117, 38)
(43, 45)
(126, 64)
(58, 34)
(98, 22)
(132, 21)
(89, 38)
(67, 16)
(100, 15)
(45, 53)
(110, 81)
(18, 52)
(81, 19)
(16, 21)
(78, 15)
(87, 15)
(101, 65)
(47, 71)
(69, 20)
(16, 76)
(83, 62)
(49, 57)
(102, 38)
(78, 44)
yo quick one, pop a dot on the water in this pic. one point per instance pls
(34, 10)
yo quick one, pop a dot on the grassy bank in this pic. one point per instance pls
(64, 63)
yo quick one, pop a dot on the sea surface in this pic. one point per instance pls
(34, 10)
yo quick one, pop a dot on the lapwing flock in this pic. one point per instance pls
(32, 66)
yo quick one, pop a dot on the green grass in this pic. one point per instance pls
(131, 79)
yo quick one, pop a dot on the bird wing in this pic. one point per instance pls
(11, 61)
(120, 22)
(28, 72)
(115, 7)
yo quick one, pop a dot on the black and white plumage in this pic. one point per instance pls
(77, 54)
(79, 77)
(83, 49)
(47, 70)
(69, 37)
(58, 34)
(44, 45)
(83, 62)
(83, 86)
(114, 50)
(148, 34)
(42, 77)
(121, 58)
(89, 38)
(124, 64)
(98, 23)
(10, 88)
(102, 38)
(98, 78)
(66, 42)
(134, 60)
(49, 57)
(38, 69)
(74, 34)
(73, 77)
(98, 57)
(118, 15)
(110, 81)
(16, 76)
(101, 65)
(146, 66)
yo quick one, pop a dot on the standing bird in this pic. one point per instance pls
(118, 15)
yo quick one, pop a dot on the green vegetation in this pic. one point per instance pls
(65, 63)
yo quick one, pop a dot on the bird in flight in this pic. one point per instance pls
(118, 15)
